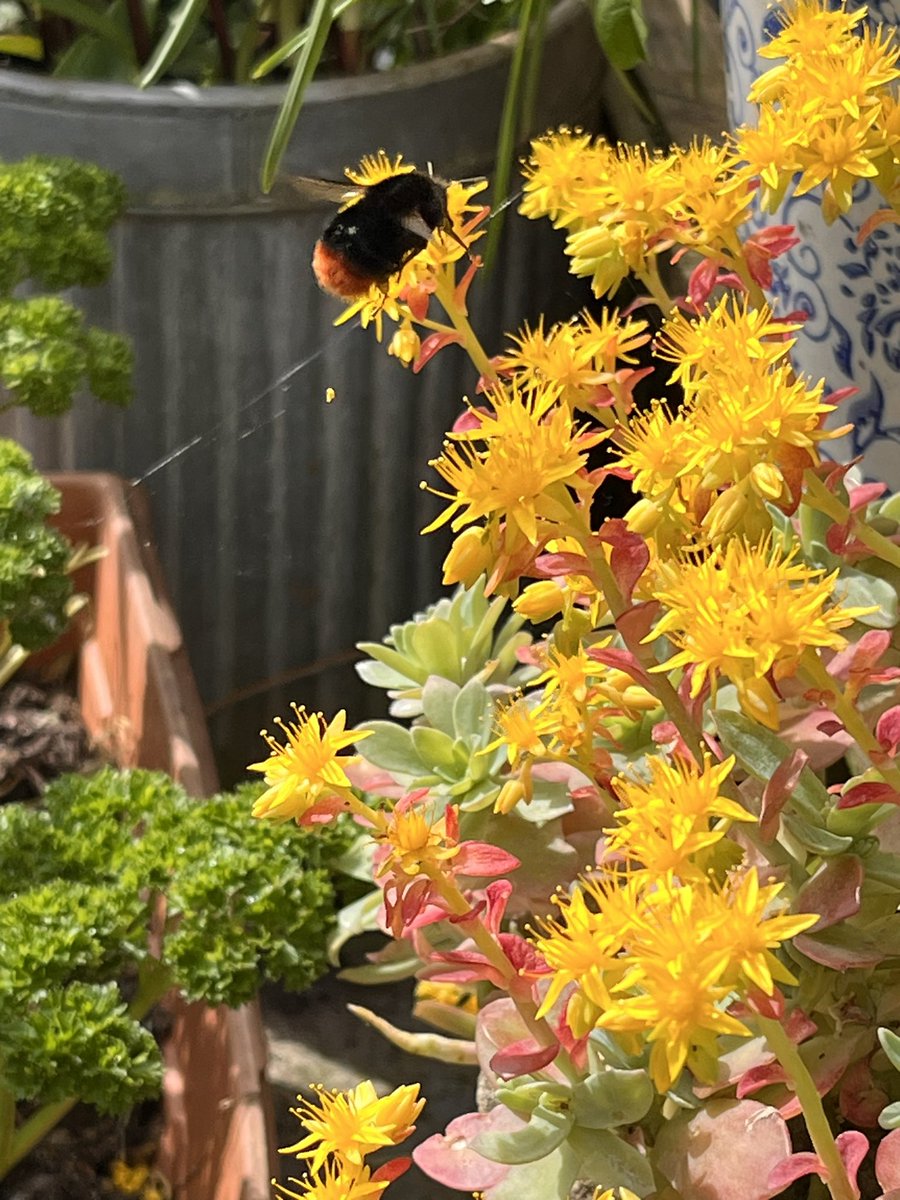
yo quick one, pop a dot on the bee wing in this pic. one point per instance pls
(299, 192)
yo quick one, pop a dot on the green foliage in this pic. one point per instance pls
(34, 587)
(457, 639)
(55, 216)
(244, 901)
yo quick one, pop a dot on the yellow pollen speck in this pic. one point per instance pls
(329, 395)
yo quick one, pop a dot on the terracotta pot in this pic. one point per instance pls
(137, 694)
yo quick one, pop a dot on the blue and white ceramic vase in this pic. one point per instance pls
(851, 292)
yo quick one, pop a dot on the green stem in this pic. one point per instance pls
(819, 497)
(493, 952)
(445, 293)
(848, 714)
(654, 285)
(811, 1103)
(30, 1132)
(658, 684)
(7, 1126)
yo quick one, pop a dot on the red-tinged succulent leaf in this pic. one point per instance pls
(621, 660)
(550, 566)
(833, 892)
(757, 1078)
(431, 345)
(888, 730)
(727, 1149)
(637, 621)
(887, 1161)
(868, 793)
(767, 1006)
(469, 419)
(794, 1167)
(392, 1170)
(799, 1026)
(448, 1158)
(702, 281)
(777, 792)
(853, 1147)
(830, 726)
(498, 1026)
(630, 553)
(522, 1058)
(860, 1100)
(833, 949)
(482, 859)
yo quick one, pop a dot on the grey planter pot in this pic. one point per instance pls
(288, 529)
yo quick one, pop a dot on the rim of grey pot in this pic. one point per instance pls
(240, 97)
(182, 149)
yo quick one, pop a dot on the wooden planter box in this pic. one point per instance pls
(137, 694)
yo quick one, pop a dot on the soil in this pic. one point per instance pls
(42, 735)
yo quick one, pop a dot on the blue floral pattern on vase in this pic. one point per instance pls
(851, 292)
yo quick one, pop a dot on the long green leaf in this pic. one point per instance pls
(621, 31)
(182, 23)
(319, 26)
(510, 122)
(88, 18)
(289, 48)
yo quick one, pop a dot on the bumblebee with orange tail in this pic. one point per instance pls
(374, 237)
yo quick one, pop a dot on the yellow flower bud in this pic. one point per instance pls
(767, 479)
(644, 516)
(509, 796)
(405, 345)
(540, 601)
(726, 513)
(469, 557)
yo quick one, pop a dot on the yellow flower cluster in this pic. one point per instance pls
(747, 430)
(828, 113)
(307, 768)
(571, 720)
(520, 480)
(343, 1129)
(624, 205)
(743, 611)
(586, 358)
(656, 955)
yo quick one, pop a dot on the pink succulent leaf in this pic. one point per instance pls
(630, 553)
(794, 1167)
(853, 1147)
(861, 656)
(727, 1149)
(863, 495)
(802, 731)
(448, 1157)
(522, 1058)
(497, 895)
(833, 892)
(469, 420)
(888, 730)
(431, 345)
(482, 859)
(799, 1026)
(778, 790)
(868, 793)
(887, 1160)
